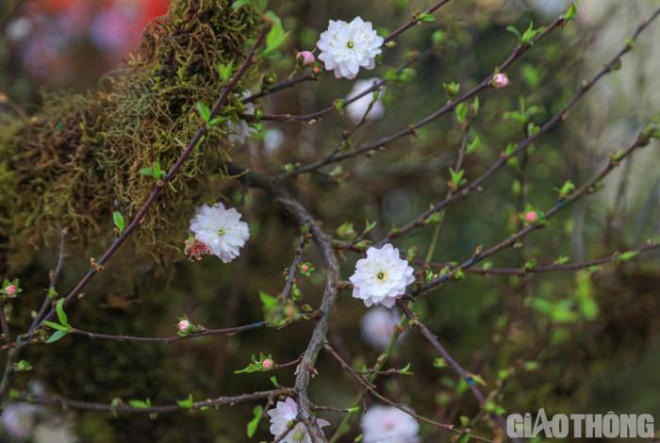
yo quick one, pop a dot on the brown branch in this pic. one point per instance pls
(414, 21)
(433, 340)
(167, 340)
(121, 407)
(545, 268)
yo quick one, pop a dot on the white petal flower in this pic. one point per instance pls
(382, 277)
(359, 107)
(347, 47)
(280, 418)
(221, 230)
(239, 131)
(377, 326)
(381, 424)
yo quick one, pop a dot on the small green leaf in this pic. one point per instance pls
(240, 3)
(56, 326)
(204, 111)
(425, 17)
(187, 403)
(61, 315)
(225, 71)
(57, 335)
(461, 112)
(140, 404)
(217, 121)
(626, 256)
(512, 29)
(252, 425)
(120, 223)
(276, 36)
(570, 12)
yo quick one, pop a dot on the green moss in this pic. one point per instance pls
(79, 159)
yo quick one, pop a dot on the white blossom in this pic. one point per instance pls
(357, 109)
(280, 418)
(377, 326)
(382, 277)
(240, 130)
(273, 139)
(221, 230)
(19, 420)
(347, 47)
(386, 424)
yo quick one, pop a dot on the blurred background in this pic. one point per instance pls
(530, 338)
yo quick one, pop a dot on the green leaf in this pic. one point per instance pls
(61, 315)
(57, 335)
(56, 326)
(425, 17)
(626, 256)
(346, 231)
(187, 403)
(140, 404)
(252, 425)
(474, 145)
(239, 4)
(512, 29)
(276, 36)
(217, 121)
(225, 71)
(461, 112)
(120, 223)
(204, 111)
(570, 12)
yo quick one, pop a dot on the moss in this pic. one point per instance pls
(79, 159)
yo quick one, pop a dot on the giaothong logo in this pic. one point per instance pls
(608, 425)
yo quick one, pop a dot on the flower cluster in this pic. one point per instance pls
(389, 424)
(221, 230)
(282, 416)
(347, 47)
(381, 277)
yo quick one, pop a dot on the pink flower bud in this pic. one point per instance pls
(10, 290)
(531, 217)
(304, 268)
(500, 81)
(267, 363)
(183, 325)
(306, 58)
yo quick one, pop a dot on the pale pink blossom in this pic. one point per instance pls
(183, 325)
(500, 80)
(283, 415)
(306, 58)
(387, 424)
(267, 363)
(531, 216)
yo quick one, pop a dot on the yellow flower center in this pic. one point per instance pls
(221, 232)
(350, 45)
(380, 275)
